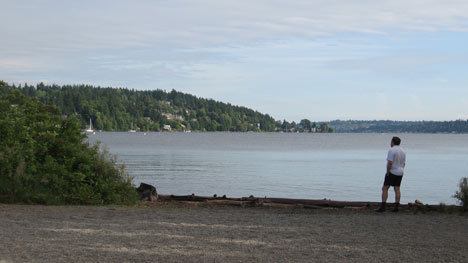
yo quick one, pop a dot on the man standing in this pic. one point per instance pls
(396, 161)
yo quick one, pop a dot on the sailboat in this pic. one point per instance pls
(90, 129)
(131, 129)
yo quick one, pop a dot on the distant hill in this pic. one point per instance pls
(120, 109)
(383, 126)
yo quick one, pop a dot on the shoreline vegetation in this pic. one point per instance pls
(389, 126)
(45, 159)
(121, 109)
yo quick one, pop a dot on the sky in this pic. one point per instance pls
(320, 60)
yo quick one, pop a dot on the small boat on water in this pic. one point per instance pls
(90, 128)
(131, 129)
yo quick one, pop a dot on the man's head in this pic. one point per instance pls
(395, 141)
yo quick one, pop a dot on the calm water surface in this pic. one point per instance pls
(335, 166)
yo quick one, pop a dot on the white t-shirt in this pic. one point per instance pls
(398, 157)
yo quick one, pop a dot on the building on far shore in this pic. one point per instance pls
(171, 116)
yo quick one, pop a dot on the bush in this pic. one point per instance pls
(45, 159)
(462, 193)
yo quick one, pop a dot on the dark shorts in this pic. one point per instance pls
(392, 180)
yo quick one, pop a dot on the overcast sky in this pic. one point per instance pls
(322, 60)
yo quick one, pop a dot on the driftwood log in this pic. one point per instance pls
(281, 202)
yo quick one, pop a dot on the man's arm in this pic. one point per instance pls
(390, 158)
(389, 166)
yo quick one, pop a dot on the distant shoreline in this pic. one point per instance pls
(280, 132)
(160, 110)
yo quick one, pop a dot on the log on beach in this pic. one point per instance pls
(259, 201)
(278, 202)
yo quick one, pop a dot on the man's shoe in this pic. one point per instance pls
(380, 210)
(395, 208)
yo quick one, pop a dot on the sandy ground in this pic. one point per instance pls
(182, 233)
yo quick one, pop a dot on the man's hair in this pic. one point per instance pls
(396, 140)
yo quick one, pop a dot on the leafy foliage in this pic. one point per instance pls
(45, 159)
(122, 109)
(118, 109)
(462, 193)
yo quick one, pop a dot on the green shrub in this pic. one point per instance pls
(462, 193)
(45, 159)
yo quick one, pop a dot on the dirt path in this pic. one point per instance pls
(227, 234)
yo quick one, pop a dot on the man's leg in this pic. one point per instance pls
(385, 193)
(384, 198)
(397, 198)
(397, 194)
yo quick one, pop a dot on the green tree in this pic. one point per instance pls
(116, 109)
(44, 158)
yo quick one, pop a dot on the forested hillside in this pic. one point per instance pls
(120, 109)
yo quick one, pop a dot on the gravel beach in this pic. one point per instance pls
(177, 232)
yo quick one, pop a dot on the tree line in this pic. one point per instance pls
(121, 109)
(385, 126)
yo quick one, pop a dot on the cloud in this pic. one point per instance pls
(153, 34)
(229, 50)
(16, 64)
(411, 65)
(65, 26)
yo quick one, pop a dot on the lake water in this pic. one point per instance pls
(315, 166)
